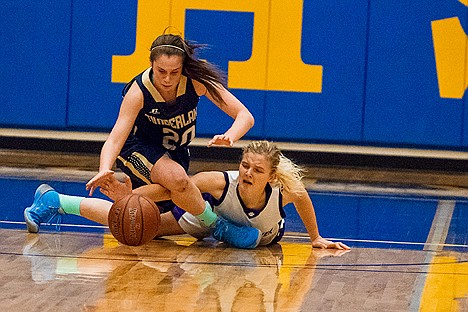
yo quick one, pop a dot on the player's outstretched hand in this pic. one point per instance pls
(114, 189)
(321, 242)
(98, 180)
(221, 139)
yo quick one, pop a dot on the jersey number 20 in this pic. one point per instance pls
(172, 139)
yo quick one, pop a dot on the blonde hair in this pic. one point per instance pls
(287, 175)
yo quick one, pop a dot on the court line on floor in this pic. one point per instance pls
(435, 242)
(306, 238)
(294, 236)
(62, 225)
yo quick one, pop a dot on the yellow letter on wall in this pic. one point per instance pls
(152, 18)
(275, 62)
(450, 48)
(286, 70)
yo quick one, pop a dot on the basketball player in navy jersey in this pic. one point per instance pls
(156, 122)
(157, 119)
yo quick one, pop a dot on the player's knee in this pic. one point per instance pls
(179, 183)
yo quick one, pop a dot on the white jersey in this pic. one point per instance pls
(269, 219)
(232, 208)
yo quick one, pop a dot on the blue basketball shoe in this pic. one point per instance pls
(45, 208)
(245, 237)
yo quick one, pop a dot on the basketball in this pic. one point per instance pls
(134, 220)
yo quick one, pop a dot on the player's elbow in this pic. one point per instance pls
(249, 119)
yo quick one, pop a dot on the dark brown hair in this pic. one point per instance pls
(206, 73)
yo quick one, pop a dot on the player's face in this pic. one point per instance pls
(167, 70)
(254, 171)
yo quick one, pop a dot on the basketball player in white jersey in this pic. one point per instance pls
(252, 196)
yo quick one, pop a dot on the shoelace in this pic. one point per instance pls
(58, 224)
(219, 230)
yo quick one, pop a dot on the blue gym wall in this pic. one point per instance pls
(379, 83)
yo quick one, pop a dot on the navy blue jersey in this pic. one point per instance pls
(169, 125)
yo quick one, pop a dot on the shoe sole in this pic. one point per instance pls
(31, 225)
(40, 191)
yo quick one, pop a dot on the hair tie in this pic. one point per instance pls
(169, 46)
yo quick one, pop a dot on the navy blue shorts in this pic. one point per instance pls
(137, 158)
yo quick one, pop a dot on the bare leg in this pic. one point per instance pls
(184, 192)
(169, 225)
(95, 209)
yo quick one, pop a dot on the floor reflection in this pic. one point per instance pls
(179, 275)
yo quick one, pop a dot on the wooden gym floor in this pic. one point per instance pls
(409, 251)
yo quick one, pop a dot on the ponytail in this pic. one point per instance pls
(289, 175)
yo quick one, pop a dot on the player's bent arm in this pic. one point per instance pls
(212, 182)
(155, 192)
(243, 119)
(305, 208)
(131, 106)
